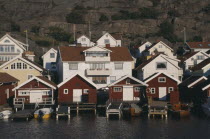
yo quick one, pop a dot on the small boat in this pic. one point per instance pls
(180, 110)
(135, 110)
(44, 113)
(5, 114)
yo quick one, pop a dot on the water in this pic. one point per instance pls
(90, 126)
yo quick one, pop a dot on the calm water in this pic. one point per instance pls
(90, 126)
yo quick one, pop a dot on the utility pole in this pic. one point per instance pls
(185, 36)
(27, 45)
(74, 29)
(89, 29)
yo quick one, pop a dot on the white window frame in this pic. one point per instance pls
(74, 68)
(128, 81)
(26, 93)
(117, 89)
(161, 78)
(152, 91)
(29, 76)
(111, 79)
(52, 54)
(117, 68)
(169, 91)
(161, 68)
(85, 91)
(65, 91)
(137, 89)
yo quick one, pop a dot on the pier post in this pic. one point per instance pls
(77, 109)
(56, 116)
(69, 112)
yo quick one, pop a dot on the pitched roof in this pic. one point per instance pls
(52, 49)
(127, 76)
(188, 55)
(190, 80)
(154, 44)
(146, 62)
(157, 74)
(201, 65)
(43, 80)
(76, 53)
(117, 36)
(199, 45)
(72, 76)
(6, 78)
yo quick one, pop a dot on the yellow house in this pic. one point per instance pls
(22, 69)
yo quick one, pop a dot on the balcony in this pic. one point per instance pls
(95, 72)
(97, 58)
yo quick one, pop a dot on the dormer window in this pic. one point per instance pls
(106, 41)
(97, 54)
(7, 41)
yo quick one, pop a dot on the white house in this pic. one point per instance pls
(10, 48)
(143, 47)
(198, 46)
(109, 40)
(101, 65)
(191, 59)
(49, 60)
(160, 47)
(85, 41)
(160, 63)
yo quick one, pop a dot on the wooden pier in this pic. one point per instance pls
(158, 108)
(23, 114)
(65, 110)
(114, 108)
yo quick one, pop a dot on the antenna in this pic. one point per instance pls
(74, 29)
(26, 31)
(89, 33)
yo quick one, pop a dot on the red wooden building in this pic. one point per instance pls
(126, 88)
(77, 88)
(37, 90)
(7, 83)
(163, 87)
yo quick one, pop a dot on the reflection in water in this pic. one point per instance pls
(90, 126)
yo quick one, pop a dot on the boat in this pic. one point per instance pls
(44, 113)
(135, 110)
(180, 110)
(5, 114)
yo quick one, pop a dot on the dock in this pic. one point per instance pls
(114, 108)
(23, 114)
(158, 108)
(65, 109)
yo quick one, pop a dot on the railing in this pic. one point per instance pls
(19, 101)
(47, 101)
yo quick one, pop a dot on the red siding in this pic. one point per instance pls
(174, 95)
(3, 95)
(119, 95)
(34, 84)
(76, 83)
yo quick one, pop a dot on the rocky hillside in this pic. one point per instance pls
(52, 22)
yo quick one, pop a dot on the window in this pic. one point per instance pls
(160, 46)
(23, 93)
(106, 41)
(99, 79)
(128, 81)
(53, 65)
(46, 93)
(52, 55)
(117, 89)
(118, 66)
(19, 65)
(112, 79)
(161, 65)
(13, 66)
(65, 91)
(162, 79)
(7, 41)
(12, 49)
(200, 57)
(152, 90)
(83, 39)
(73, 66)
(94, 66)
(137, 89)
(24, 66)
(180, 78)
(86, 91)
(97, 54)
(170, 89)
(30, 76)
(1, 48)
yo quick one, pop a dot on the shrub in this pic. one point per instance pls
(103, 18)
(75, 17)
(148, 13)
(197, 39)
(59, 34)
(15, 27)
(206, 9)
(173, 13)
(43, 43)
(35, 29)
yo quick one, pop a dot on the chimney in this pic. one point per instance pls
(107, 45)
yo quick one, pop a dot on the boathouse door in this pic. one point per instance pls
(127, 93)
(162, 93)
(77, 95)
(35, 97)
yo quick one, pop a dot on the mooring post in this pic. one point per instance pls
(69, 112)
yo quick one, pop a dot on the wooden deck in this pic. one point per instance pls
(23, 114)
(158, 108)
(114, 108)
